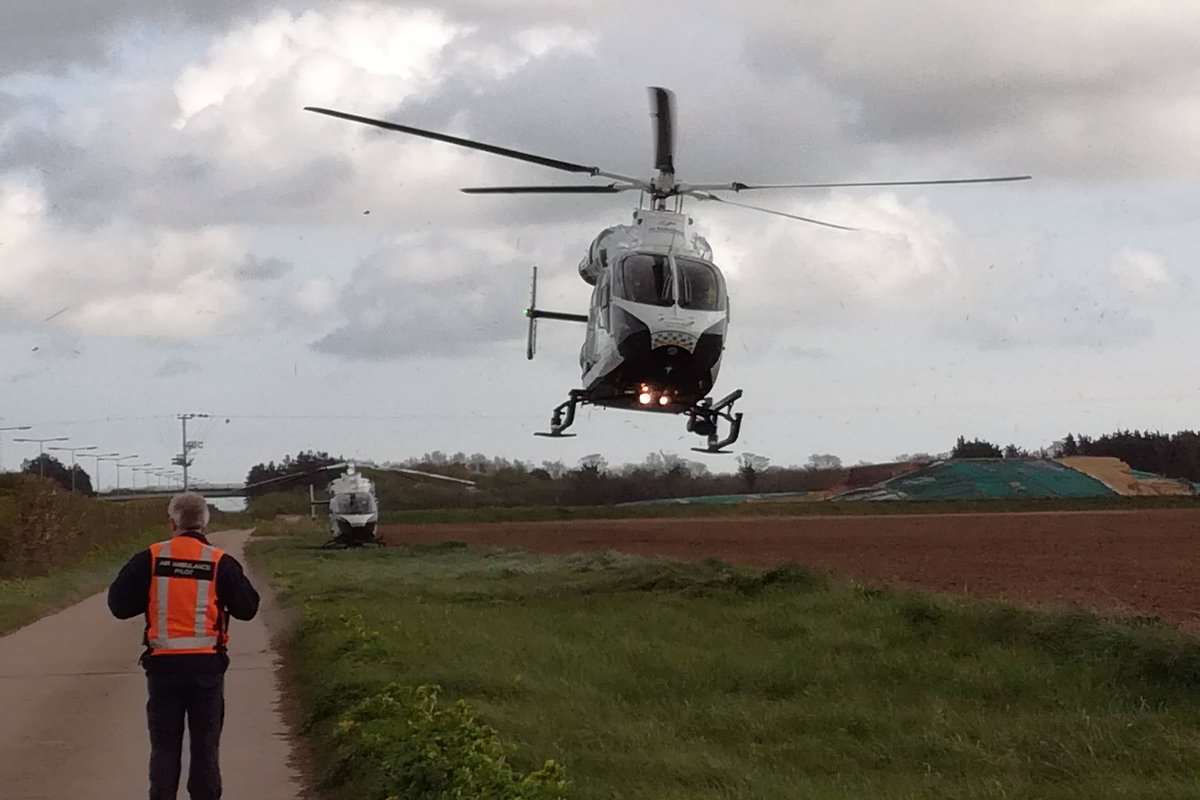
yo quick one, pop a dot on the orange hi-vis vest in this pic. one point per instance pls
(182, 616)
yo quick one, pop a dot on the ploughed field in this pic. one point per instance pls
(1137, 563)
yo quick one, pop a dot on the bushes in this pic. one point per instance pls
(418, 748)
(383, 740)
(43, 528)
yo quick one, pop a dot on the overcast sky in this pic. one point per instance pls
(176, 234)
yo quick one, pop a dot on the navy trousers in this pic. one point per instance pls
(198, 698)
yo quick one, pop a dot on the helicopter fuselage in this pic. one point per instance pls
(353, 510)
(658, 317)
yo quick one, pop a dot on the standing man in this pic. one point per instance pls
(187, 589)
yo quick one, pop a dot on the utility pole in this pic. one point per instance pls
(182, 459)
(41, 443)
(10, 428)
(73, 451)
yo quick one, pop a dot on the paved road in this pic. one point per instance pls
(72, 708)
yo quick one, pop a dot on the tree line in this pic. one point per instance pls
(1175, 455)
(513, 482)
(592, 480)
(52, 469)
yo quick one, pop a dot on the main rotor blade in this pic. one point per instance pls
(662, 115)
(611, 188)
(416, 473)
(707, 196)
(738, 186)
(555, 163)
(294, 475)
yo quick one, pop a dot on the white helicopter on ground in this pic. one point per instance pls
(353, 508)
(660, 309)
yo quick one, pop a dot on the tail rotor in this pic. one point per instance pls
(531, 340)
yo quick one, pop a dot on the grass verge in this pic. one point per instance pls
(783, 509)
(24, 600)
(289, 525)
(661, 680)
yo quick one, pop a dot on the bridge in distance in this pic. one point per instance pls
(208, 490)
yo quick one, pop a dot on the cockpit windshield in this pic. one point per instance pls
(646, 278)
(699, 285)
(353, 503)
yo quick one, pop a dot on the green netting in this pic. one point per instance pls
(981, 479)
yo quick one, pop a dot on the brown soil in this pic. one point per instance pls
(1124, 562)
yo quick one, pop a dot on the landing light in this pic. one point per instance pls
(644, 398)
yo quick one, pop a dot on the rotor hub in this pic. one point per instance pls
(664, 185)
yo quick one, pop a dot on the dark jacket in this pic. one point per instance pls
(129, 596)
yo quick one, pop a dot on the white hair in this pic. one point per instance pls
(189, 510)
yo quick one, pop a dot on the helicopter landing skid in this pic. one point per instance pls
(342, 544)
(705, 417)
(563, 416)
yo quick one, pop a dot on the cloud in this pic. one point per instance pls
(905, 259)
(116, 279)
(56, 345)
(1140, 272)
(1099, 308)
(262, 269)
(54, 34)
(1022, 85)
(175, 367)
(203, 161)
(805, 353)
(224, 140)
(429, 295)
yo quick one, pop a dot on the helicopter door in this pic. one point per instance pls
(598, 326)
(602, 289)
(588, 353)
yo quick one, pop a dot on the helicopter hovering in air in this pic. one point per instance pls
(353, 507)
(659, 314)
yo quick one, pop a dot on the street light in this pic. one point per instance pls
(118, 461)
(73, 451)
(126, 466)
(10, 428)
(136, 468)
(114, 457)
(163, 476)
(41, 443)
(100, 457)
